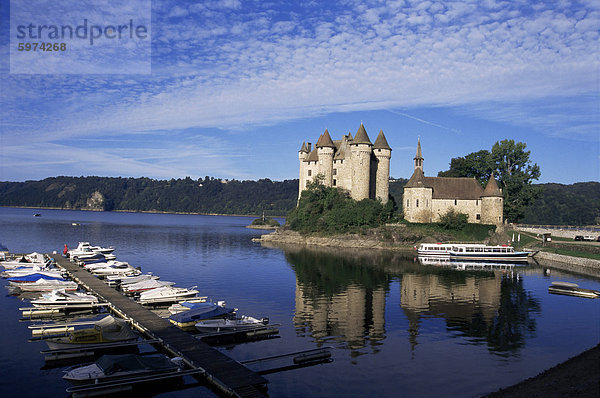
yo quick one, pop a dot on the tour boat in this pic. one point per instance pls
(167, 294)
(478, 252)
(139, 287)
(572, 289)
(116, 367)
(107, 330)
(62, 298)
(434, 249)
(227, 325)
(203, 311)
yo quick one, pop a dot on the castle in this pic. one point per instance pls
(353, 164)
(427, 198)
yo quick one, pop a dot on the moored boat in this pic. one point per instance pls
(167, 294)
(139, 287)
(434, 249)
(203, 311)
(107, 330)
(44, 285)
(572, 289)
(478, 252)
(62, 298)
(115, 367)
(227, 325)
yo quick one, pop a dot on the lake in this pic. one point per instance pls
(397, 327)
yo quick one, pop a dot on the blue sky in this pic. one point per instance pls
(236, 87)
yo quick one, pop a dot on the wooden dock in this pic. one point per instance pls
(227, 376)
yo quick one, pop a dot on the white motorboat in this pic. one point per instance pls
(187, 305)
(126, 280)
(139, 287)
(44, 285)
(572, 289)
(107, 330)
(85, 248)
(167, 294)
(227, 325)
(26, 260)
(103, 264)
(116, 367)
(116, 269)
(62, 298)
(23, 271)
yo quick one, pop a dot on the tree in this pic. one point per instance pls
(510, 163)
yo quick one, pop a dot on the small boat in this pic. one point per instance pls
(36, 269)
(186, 305)
(62, 298)
(126, 280)
(167, 294)
(115, 367)
(84, 248)
(31, 278)
(227, 325)
(44, 285)
(107, 330)
(117, 269)
(139, 287)
(572, 289)
(26, 260)
(37, 215)
(202, 311)
(478, 252)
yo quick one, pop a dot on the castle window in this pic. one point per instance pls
(417, 203)
(334, 182)
(309, 173)
(407, 202)
(379, 150)
(478, 216)
(342, 161)
(477, 204)
(455, 202)
(334, 172)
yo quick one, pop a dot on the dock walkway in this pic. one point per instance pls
(223, 373)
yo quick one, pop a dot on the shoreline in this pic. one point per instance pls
(140, 211)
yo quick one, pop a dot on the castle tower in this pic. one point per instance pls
(383, 153)
(492, 202)
(361, 148)
(418, 157)
(302, 155)
(325, 149)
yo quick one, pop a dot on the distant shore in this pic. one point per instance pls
(140, 211)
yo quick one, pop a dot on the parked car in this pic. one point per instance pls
(585, 237)
(579, 237)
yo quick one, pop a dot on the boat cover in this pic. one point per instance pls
(35, 277)
(111, 364)
(200, 312)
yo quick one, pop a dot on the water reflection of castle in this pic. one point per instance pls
(355, 315)
(344, 298)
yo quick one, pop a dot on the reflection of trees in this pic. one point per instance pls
(341, 296)
(506, 332)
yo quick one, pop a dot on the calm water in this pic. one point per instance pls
(398, 328)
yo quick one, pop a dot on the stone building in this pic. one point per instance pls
(427, 198)
(353, 164)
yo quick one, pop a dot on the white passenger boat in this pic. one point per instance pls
(228, 325)
(434, 249)
(139, 287)
(478, 252)
(167, 294)
(62, 298)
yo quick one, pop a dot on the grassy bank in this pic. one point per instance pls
(532, 242)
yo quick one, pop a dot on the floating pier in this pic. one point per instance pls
(224, 374)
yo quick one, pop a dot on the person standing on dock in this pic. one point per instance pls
(65, 250)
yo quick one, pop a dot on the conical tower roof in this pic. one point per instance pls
(381, 142)
(325, 140)
(417, 180)
(418, 155)
(491, 189)
(361, 136)
(304, 148)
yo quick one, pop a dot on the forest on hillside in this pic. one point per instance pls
(575, 204)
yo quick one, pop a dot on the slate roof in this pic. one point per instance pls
(446, 187)
(325, 140)
(491, 189)
(361, 136)
(381, 142)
